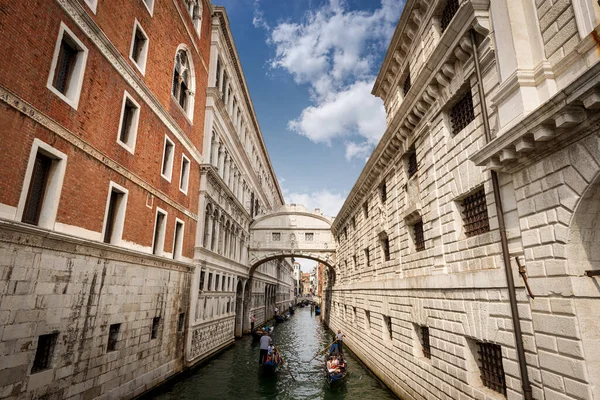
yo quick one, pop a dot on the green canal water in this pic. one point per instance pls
(235, 373)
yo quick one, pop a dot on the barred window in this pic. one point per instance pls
(490, 366)
(419, 237)
(113, 337)
(276, 236)
(366, 210)
(385, 246)
(44, 352)
(413, 166)
(353, 221)
(155, 325)
(448, 13)
(383, 192)
(309, 236)
(474, 213)
(407, 84)
(181, 322)
(462, 113)
(425, 342)
(202, 275)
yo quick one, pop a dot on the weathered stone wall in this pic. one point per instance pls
(55, 284)
(558, 27)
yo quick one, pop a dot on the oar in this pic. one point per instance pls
(284, 363)
(317, 355)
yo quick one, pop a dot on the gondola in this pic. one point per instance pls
(337, 375)
(281, 318)
(259, 332)
(272, 363)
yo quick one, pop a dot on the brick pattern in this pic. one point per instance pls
(558, 27)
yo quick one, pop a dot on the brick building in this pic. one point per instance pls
(490, 160)
(102, 117)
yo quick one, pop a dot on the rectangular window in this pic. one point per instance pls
(419, 236)
(388, 324)
(139, 47)
(366, 210)
(181, 322)
(167, 161)
(407, 84)
(130, 113)
(276, 236)
(217, 282)
(354, 262)
(158, 241)
(426, 347)
(37, 189)
(185, 174)
(178, 240)
(155, 326)
(202, 276)
(448, 13)
(367, 261)
(474, 213)
(68, 66)
(229, 283)
(413, 166)
(44, 352)
(345, 233)
(491, 368)
(462, 113)
(115, 214)
(218, 76)
(309, 236)
(383, 192)
(113, 337)
(385, 247)
(210, 281)
(353, 222)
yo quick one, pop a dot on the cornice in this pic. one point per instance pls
(81, 18)
(29, 111)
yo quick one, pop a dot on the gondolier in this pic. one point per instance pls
(265, 342)
(339, 339)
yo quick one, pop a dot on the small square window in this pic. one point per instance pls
(113, 337)
(462, 113)
(474, 213)
(309, 236)
(44, 352)
(167, 161)
(181, 322)
(128, 125)
(155, 326)
(276, 236)
(185, 174)
(68, 67)
(139, 47)
(490, 366)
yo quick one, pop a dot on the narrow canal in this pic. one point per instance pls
(235, 374)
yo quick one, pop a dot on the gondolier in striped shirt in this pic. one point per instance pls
(339, 339)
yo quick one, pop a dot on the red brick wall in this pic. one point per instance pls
(28, 34)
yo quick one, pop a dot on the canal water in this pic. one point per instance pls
(235, 373)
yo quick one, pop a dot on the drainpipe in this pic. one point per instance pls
(503, 239)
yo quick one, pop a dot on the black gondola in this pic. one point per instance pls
(259, 332)
(272, 363)
(335, 369)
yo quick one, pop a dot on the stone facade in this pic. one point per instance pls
(420, 291)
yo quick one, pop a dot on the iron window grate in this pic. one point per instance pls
(448, 13)
(155, 324)
(425, 342)
(419, 237)
(413, 166)
(475, 216)
(407, 84)
(490, 366)
(181, 322)
(462, 113)
(113, 337)
(44, 352)
(383, 192)
(386, 248)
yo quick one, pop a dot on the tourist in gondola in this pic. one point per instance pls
(265, 342)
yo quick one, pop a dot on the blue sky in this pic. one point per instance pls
(310, 67)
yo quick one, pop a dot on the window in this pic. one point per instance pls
(167, 161)
(128, 125)
(462, 113)
(210, 281)
(387, 321)
(68, 66)
(366, 210)
(309, 236)
(448, 13)
(383, 192)
(276, 236)
(139, 47)
(229, 283)
(345, 233)
(425, 346)
(419, 238)
(114, 219)
(194, 8)
(474, 213)
(181, 322)
(178, 239)
(218, 76)
(42, 186)
(367, 320)
(44, 352)
(160, 223)
(354, 265)
(407, 84)
(367, 261)
(93, 4)
(413, 166)
(490, 366)
(353, 223)
(113, 337)
(385, 247)
(155, 325)
(185, 174)
(217, 282)
(149, 5)
(183, 82)
(202, 276)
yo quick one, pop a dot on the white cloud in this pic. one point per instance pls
(332, 50)
(329, 203)
(258, 19)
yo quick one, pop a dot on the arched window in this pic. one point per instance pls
(183, 82)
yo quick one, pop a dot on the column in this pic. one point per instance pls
(221, 163)
(226, 163)
(208, 231)
(214, 152)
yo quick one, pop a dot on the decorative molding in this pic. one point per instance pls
(36, 115)
(81, 18)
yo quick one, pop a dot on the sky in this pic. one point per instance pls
(310, 66)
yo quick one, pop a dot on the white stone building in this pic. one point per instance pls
(237, 184)
(421, 288)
